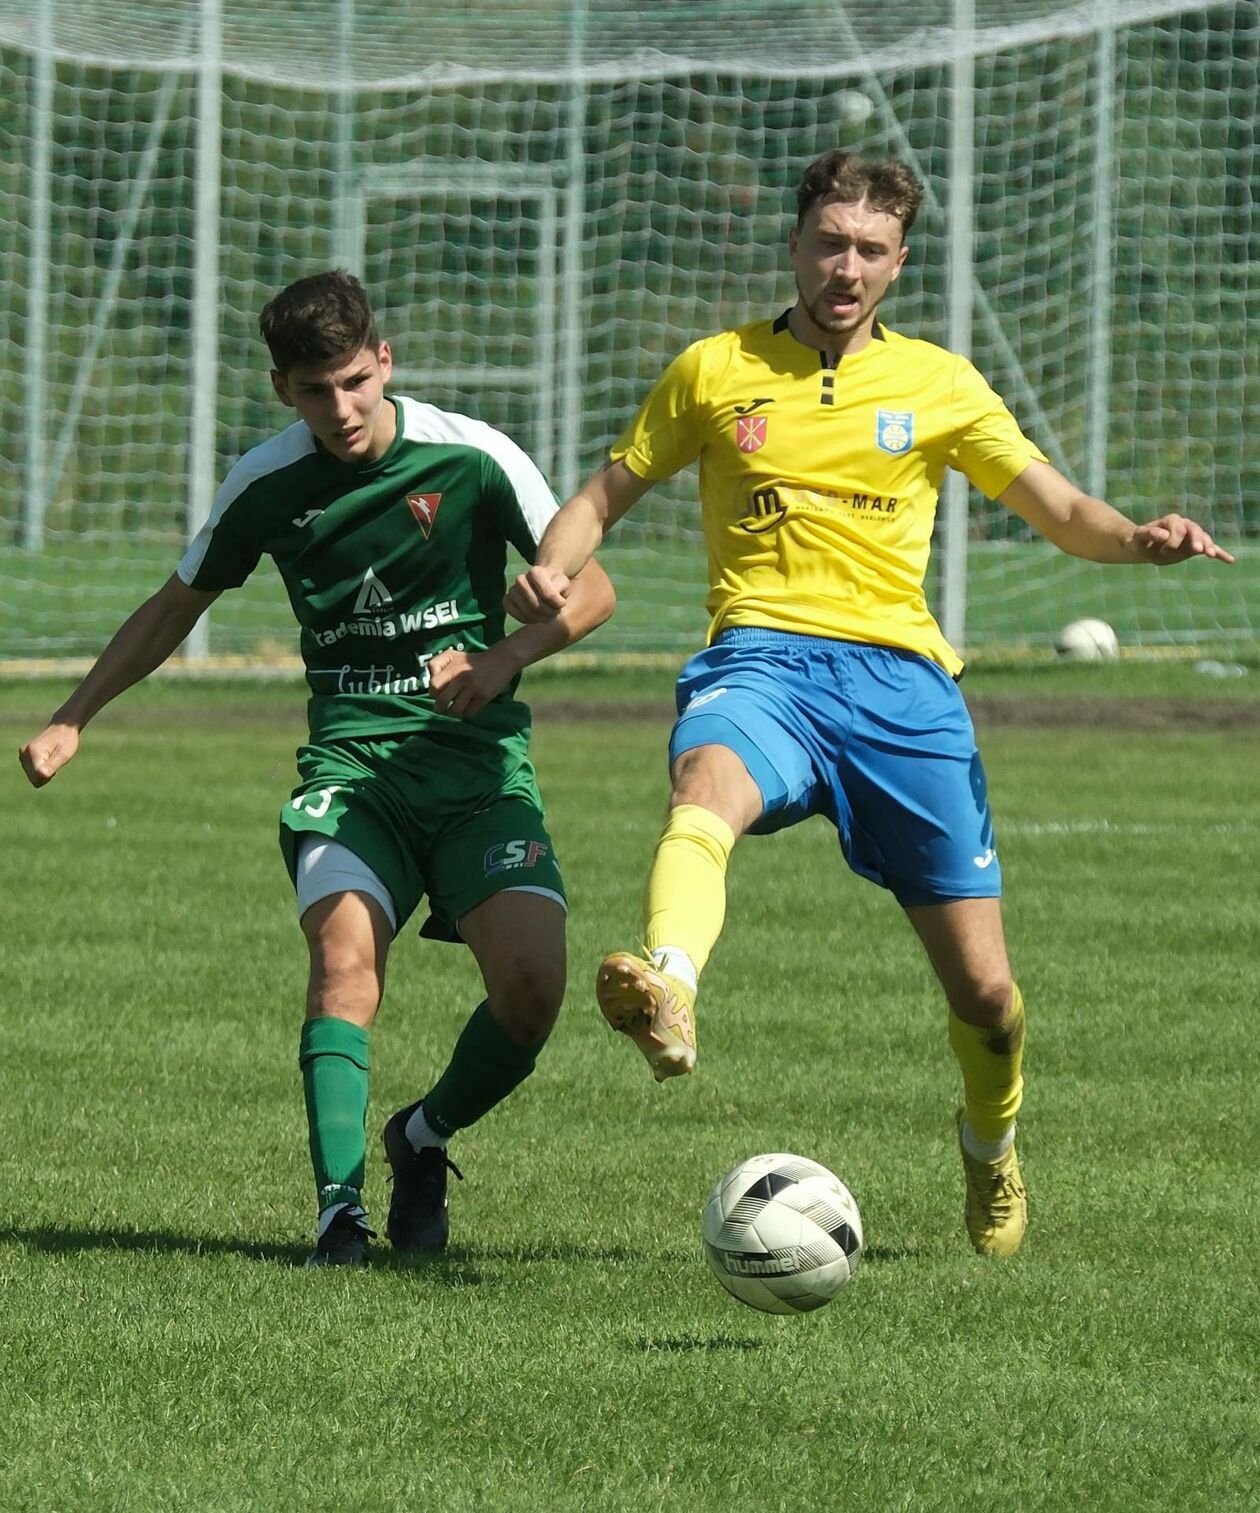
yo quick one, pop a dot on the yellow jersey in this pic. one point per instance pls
(819, 477)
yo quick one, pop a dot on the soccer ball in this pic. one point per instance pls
(782, 1233)
(855, 107)
(1087, 641)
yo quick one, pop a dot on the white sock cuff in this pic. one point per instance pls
(327, 1215)
(420, 1132)
(677, 963)
(986, 1150)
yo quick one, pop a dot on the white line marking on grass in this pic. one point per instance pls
(1113, 827)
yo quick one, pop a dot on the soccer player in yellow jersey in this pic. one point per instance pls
(827, 686)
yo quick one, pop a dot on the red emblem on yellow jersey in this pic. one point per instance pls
(750, 433)
(424, 507)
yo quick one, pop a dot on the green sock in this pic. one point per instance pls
(486, 1065)
(334, 1061)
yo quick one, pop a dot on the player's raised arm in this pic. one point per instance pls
(143, 642)
(1083, 526)
(571, 540)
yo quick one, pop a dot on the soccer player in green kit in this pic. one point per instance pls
(389, 522)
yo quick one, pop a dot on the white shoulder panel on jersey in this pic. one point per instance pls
(269, 457)
(422, 422)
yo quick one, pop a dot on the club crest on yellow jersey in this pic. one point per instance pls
(894, 430)
(750, 432)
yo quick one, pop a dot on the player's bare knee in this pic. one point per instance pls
(983, 1001)
(714, 778)
(696, 777)
(343, 983)
(528, 1000)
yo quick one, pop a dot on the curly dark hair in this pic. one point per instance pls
(885, 185)
(318, 322)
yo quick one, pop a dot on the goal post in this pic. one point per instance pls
(39, 262)
(961, 272)
(444, 198)
(204, 372)
(549, 200)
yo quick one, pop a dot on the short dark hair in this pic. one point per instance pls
(885, 185)
(318, 322)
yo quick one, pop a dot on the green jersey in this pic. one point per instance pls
(386, 563)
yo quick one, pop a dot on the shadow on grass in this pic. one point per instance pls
(529, 1251)
(155, 1241)
(877, 1255)
(456, 1266)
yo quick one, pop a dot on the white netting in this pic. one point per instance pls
(547, 201)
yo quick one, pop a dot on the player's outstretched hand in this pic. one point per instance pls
(1173, 538)
(464, 682)
(43, 757)
(537, 595)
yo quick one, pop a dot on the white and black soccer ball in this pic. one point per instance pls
(782, 1233)
(1087, 641)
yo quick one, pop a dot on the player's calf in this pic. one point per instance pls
(527, 1005)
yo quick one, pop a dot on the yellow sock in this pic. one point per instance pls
(991, 1057)
(686, 890)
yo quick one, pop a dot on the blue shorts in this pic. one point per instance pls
(878, 740)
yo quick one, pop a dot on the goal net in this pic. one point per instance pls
(548, 200)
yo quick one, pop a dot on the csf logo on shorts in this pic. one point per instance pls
(509, 855)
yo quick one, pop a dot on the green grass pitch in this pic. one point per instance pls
(163, 1350)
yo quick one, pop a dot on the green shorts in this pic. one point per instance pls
(428, 818)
